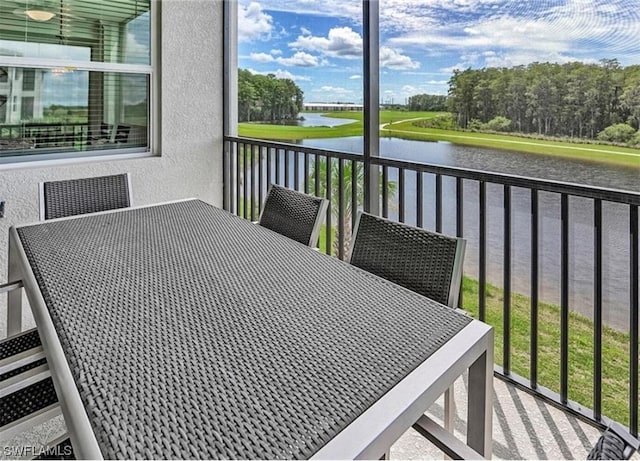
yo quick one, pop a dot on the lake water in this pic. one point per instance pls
(317, 119)
(616, 283)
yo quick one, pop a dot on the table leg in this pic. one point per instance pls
(14, 297)
(480, 409)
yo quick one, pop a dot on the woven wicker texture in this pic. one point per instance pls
(26, 401)
(192, 333)
(291, 213)
(86, 195)
(608, 446)
(415, 258)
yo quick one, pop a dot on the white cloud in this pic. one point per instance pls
(254, 23)
(299, 59)
(341, 42)
(283, 74)
(355, 77)
(394, 59)
(350, 9)
(275, 52)
(535, 31)
(286, 74)
(338, 90)
(262, 57)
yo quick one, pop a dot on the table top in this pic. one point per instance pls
(192, 333)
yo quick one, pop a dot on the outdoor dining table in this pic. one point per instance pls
(179, 330)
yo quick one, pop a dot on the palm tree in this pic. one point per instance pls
(342, 170)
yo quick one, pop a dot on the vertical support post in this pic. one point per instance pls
(14, 297)
(633, 319)
(371, 73)
(506, 277)
(480, 408)
(564, 300)
(230, 93)
(438, 203)
(533, 364)
(482, 252)
(419, 198)
(597, 310)
(449, 410)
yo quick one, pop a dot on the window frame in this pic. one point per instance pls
(151, 71)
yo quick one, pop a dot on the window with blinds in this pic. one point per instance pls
(75, 76)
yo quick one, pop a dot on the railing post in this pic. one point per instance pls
(230, 94)
(371, 52)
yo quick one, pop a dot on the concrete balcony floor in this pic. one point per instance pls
(523, 428)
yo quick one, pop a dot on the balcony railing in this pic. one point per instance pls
(33, 138)
(552, 266)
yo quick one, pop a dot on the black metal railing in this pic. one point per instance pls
(30, 138)
(539, 249)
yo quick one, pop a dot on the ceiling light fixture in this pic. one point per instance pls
(39, 15)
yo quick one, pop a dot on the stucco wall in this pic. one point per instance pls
(190, 160)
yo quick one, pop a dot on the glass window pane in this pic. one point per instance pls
(117, 31)
(72, 110)
(300, 72)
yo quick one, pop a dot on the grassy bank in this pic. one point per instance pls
(288, 133)
(591, 152)
(400, 124)
(615, 349)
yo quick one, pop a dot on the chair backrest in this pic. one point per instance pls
(426, 262)
(71, 197)
(293, 214)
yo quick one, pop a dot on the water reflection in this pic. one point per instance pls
(517, 163)
(317, 119)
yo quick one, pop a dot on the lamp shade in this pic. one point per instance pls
(39, 15)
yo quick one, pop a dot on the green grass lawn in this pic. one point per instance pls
(408, 130)
(288, 133)
(593, 152)
(615, 347)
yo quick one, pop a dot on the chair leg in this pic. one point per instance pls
(449, 410)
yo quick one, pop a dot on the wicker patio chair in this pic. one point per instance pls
(293, 214)
(27, 395)
(426, 262)
(422, 261)
(59, 199)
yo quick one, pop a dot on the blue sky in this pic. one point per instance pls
(318, 43)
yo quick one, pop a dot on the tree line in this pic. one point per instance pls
(267, 98)
(427, 102)
(573, 99)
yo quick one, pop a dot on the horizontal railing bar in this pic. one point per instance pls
(547, 185)
(297, 148)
